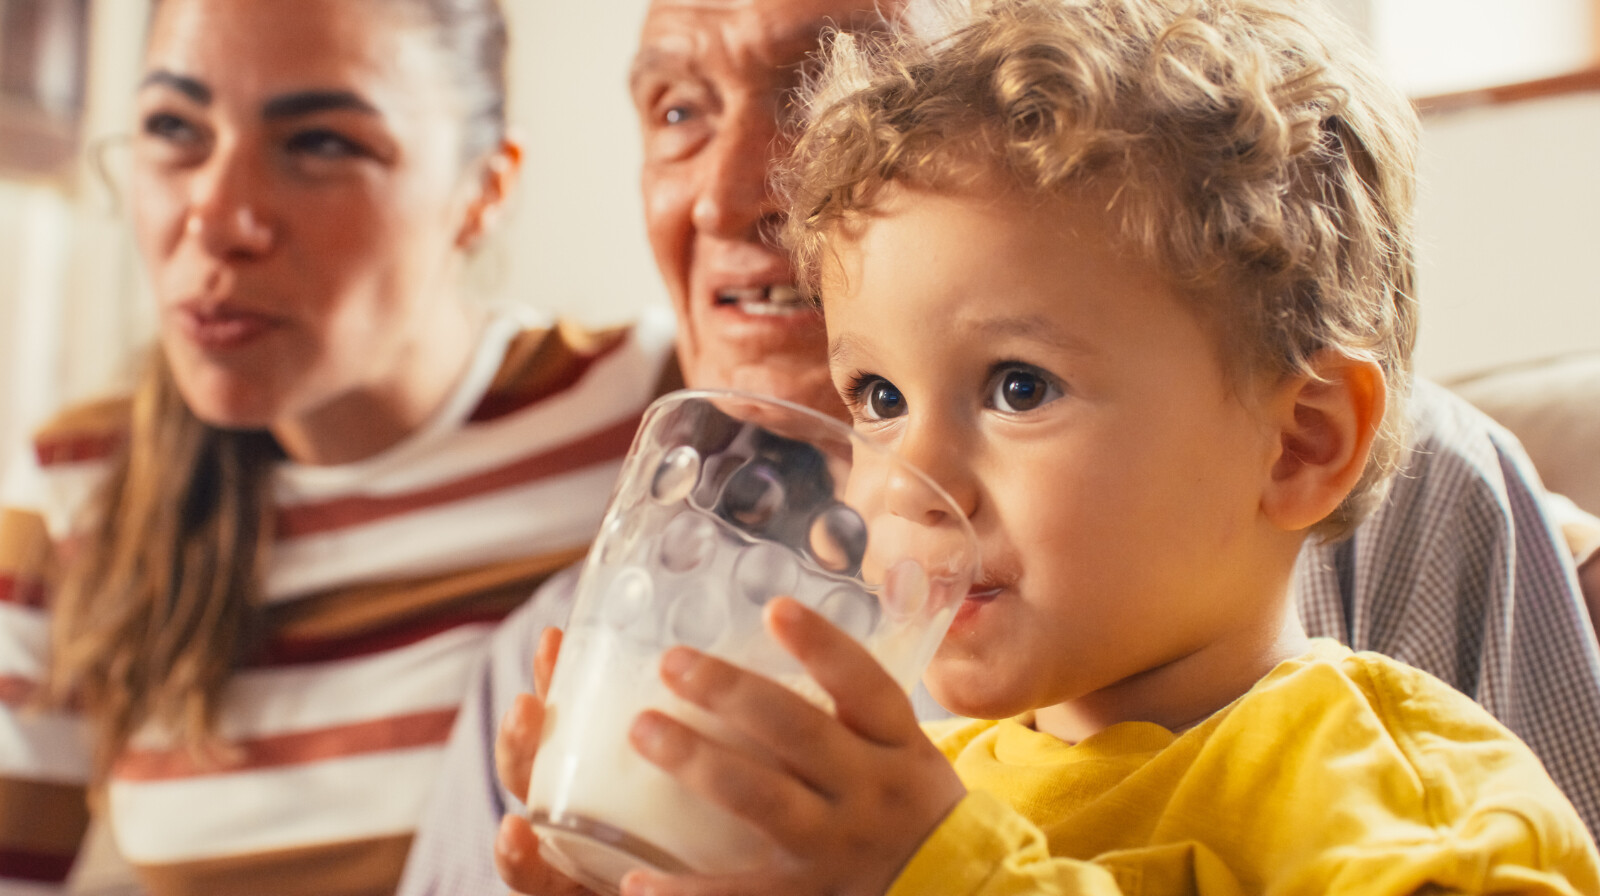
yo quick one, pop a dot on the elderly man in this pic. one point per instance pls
(1502, 620)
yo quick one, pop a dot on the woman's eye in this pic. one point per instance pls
(1022, 390)
(883, 401)
(170, 128)
(324, 145)
(171, 140)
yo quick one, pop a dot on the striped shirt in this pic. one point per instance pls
(384, 580)
(1460, 573)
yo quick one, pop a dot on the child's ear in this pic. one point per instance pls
(1325, 426)
(502, 168)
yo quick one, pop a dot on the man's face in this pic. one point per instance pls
(712, 86)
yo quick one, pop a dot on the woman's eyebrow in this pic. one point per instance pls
(289, 105)
(306, 102)
(183, 84)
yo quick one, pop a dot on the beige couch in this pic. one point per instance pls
(1553, 406)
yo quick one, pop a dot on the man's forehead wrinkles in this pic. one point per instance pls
(758, 48)
(768, 29)
(702, 4)
(663, 52)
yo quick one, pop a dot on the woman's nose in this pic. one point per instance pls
(227, 211)
(239, 231)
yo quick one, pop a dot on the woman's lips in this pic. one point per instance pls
(220, 327)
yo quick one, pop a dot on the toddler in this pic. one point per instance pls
(1132, 280)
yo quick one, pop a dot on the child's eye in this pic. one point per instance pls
(875, 398)
(1020, 389)
(885, 401)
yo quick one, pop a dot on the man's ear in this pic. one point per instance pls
(502, 169)
(1325, 426)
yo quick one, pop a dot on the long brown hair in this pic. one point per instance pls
(160, 598)
(157, 605)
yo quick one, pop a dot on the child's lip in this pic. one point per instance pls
(979, 596)
(984, 592)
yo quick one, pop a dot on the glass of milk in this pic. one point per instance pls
(727, 500)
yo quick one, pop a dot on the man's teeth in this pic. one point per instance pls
(763, 299)
(784, 295)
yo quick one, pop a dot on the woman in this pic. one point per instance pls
(247, 596)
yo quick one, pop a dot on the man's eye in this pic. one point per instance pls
(1022, 390)
(883, 400)
(676, 129)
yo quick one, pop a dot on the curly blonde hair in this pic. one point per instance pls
(1244, 143)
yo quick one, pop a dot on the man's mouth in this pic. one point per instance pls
(764, 300)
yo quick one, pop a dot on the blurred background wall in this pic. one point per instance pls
(1509, 213)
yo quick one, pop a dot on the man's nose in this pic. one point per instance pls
(735, 198)
(227, 211)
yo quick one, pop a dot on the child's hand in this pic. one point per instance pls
(516, 848)
(851, 798)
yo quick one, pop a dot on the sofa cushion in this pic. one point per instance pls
(1553, 407)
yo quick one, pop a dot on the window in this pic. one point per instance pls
(43, 56)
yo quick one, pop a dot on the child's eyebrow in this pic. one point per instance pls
(840, 348)
(1040, 328)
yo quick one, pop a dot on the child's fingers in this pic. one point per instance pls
(654, 883)
(849, 802)
(544, 661)
(783, 805)
(804, 738)
(516, 743)
(866, 699)
(516, 857)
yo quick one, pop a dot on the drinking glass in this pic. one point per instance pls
(727, 500)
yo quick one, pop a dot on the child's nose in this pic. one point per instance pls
(938, 459)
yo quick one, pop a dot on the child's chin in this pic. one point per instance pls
(970, 699)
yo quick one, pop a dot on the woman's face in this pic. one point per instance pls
(299, 198)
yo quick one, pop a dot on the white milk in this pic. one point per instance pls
(601, 780)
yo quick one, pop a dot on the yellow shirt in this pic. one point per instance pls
(1337, 773)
